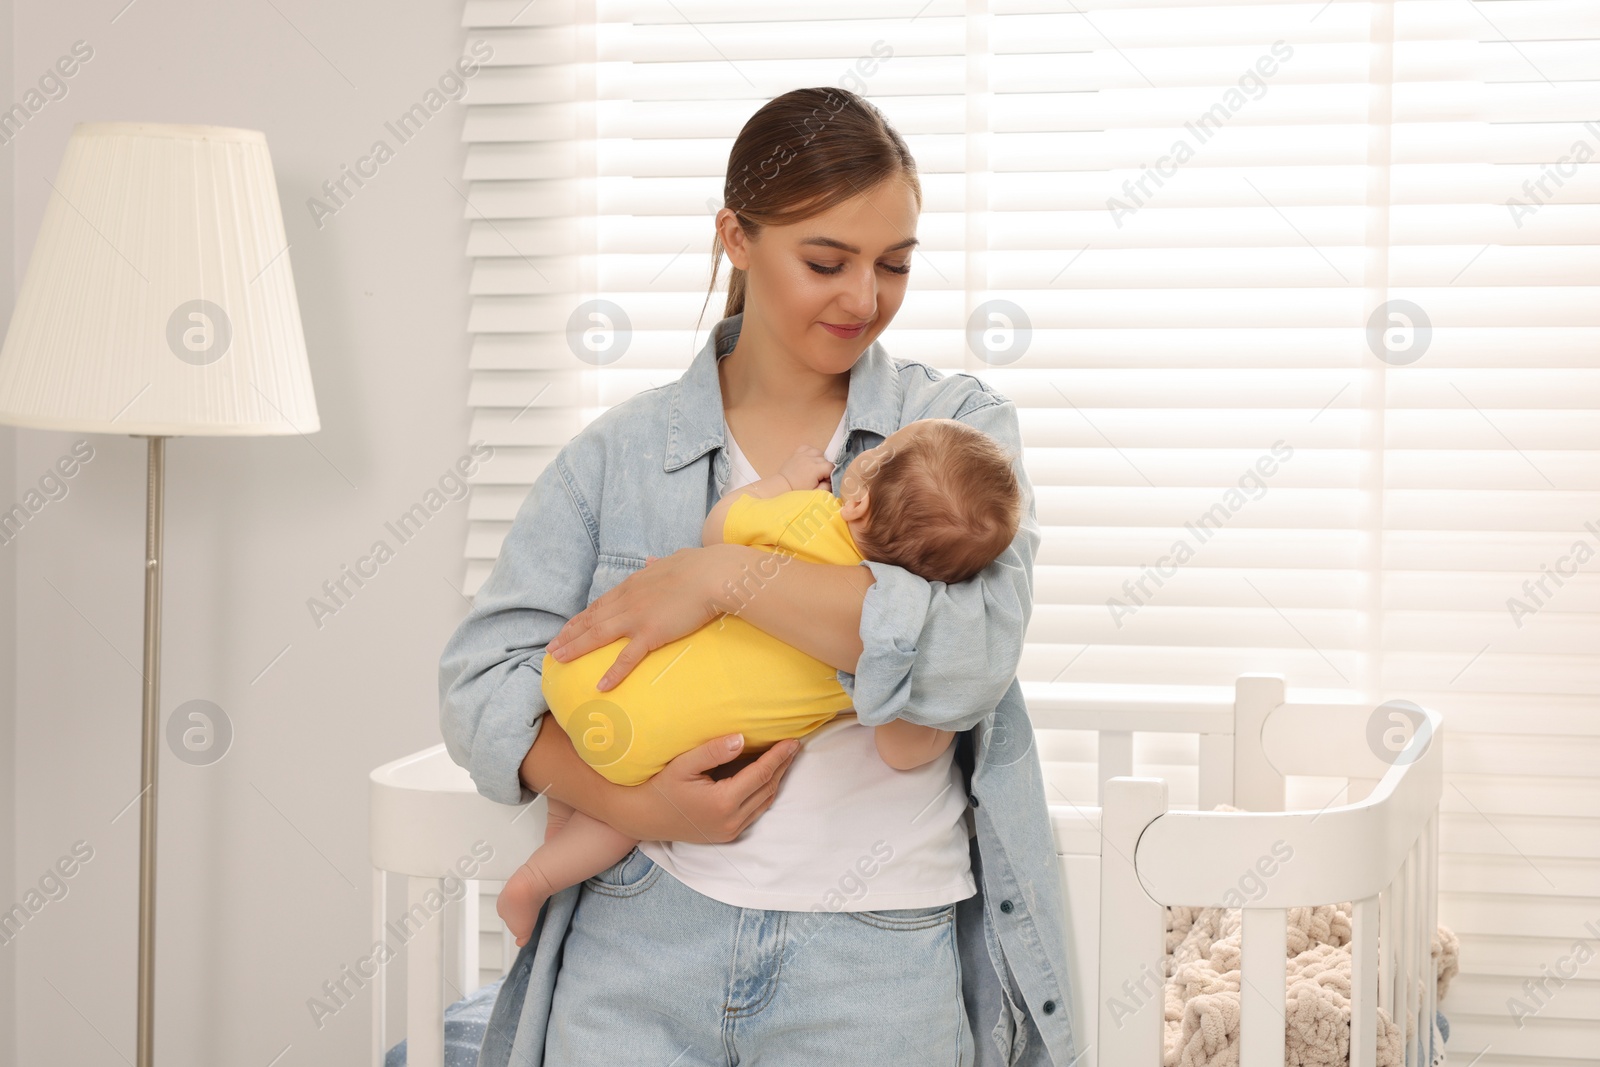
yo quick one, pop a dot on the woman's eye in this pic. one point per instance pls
(820, 269)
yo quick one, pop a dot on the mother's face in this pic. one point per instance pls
(844, 267)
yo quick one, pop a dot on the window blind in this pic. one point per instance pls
(1298, 303)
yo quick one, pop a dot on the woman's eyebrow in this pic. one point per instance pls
(829, 242)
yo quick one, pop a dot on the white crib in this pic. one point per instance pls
(1378, 850)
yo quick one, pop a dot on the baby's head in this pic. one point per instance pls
(937, 497)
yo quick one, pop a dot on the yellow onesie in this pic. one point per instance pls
(726, 677)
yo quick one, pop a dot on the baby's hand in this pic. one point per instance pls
(808, 468)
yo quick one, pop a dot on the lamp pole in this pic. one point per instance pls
(152, 753)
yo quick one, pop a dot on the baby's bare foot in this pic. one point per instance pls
(519, 902)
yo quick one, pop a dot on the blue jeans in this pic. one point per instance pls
(656, 973)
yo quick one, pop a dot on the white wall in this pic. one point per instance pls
(264, 878)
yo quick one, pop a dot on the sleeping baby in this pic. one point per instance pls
(937, 497)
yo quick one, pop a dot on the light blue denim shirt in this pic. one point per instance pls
(639, 481)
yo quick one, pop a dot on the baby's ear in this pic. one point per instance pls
(854, 508)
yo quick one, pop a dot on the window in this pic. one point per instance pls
(1299, 304)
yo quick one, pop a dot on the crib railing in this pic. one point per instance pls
(1124, 860)
(1380, 852)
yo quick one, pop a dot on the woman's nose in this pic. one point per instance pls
(861, 298)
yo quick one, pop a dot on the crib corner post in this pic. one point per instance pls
(1132, 930)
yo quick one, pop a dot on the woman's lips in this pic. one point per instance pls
(845, 331)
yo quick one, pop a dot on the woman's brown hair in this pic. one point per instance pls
(801, 154)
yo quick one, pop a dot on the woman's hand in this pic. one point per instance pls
(683, 803)
(671, 597)
(680, 803)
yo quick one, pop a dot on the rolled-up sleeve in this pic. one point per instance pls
(490, 700)
(941, 654)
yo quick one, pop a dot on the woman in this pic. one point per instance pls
(857, 914)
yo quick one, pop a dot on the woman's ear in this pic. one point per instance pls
(733, 239)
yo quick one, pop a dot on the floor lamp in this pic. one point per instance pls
(158, 303)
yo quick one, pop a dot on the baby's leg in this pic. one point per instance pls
(576, 847)
(559, 811)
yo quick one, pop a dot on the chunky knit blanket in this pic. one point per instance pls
(1202, 989)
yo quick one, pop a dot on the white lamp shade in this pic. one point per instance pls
(159, 299)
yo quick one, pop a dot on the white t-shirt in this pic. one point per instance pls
(846, 832)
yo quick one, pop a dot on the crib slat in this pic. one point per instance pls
(1424, 956)
(1413, 894)
(1424, 1033)
(1216, 770)
(1431, 901)
(1419, 949)
(424, 980)
(1115, 757)
(1405, 949)
(1397, 1010)
(1262, 970)
(470, 963)
(1364, 984)
(1386, 928)
(380, 981)
(1402, 954)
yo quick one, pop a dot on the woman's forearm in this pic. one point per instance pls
(816, 607)
(553, 767)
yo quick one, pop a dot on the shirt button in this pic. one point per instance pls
(974, 798)
(1049, 1007)
(1005, 906)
